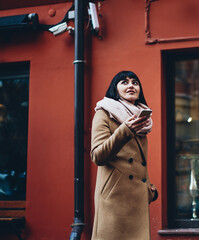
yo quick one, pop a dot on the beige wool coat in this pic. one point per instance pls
(123, 190)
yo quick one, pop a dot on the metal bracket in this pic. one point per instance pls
(150, 40)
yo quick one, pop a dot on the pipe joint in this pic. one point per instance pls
(77, 229)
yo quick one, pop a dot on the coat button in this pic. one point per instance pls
(130, 160)
(144, 164)
(130, 177)
(143, 179)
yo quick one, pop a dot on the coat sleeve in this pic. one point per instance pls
(104, 144)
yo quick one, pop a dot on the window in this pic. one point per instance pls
(14, 95)
(182, 87)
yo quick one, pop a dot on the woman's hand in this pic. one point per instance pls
(136, 124)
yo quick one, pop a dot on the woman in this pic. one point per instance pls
(119, 147)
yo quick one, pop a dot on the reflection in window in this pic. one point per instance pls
(14, 94)
(187, 138)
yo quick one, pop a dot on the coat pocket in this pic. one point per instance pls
(111, 182)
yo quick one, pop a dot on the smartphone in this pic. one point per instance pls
(145, 112)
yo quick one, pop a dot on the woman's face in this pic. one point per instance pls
(129, 89)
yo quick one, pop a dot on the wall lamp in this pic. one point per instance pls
(30, 21)
(26, 22)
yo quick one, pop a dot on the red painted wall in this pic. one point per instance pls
(50, 205)
(49, 211)
(123, 48)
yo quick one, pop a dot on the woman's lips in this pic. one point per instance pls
(130, 91)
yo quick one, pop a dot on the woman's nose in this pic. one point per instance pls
(130, 84)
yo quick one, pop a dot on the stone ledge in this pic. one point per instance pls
(179, 231)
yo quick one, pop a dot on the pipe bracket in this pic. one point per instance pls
(79, 61)
(77, 224)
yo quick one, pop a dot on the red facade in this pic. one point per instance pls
(50, 163)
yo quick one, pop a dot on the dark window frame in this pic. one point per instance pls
(20, 70)
(169, 58)
(12, 212)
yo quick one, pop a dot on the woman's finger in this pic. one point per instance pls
(134, 122)
(139, 120)
(132, 118)
(138, 125)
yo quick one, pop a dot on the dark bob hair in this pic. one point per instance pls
(112, 90)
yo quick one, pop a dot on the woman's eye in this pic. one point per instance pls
(135, 83)
(124, 82)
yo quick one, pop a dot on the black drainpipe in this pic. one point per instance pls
(77, 226)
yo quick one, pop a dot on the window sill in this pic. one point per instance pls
(179, 231)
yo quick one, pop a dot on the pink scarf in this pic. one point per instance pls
(121, 110)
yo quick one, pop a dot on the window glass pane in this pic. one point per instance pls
(14, 91)
(187, 138)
